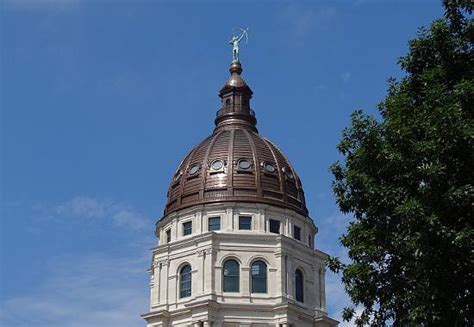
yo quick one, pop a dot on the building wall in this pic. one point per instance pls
(206, 251)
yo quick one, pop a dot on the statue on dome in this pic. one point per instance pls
(235, 41)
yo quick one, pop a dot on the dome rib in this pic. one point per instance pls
(280, 177)
(230, 160)
(184, 172)
(255, 161)
(205, 165)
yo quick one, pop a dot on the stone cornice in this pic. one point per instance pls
(306, 313)
(268, 209)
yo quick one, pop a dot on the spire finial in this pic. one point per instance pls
(235, 67)
(235, 42)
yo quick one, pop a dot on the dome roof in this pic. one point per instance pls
(235, 163)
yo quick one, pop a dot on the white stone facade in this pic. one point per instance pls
(206, 252)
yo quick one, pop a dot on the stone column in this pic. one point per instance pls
(203, 272)
(175, 229)
(323, 289)
(172, 287)
(228, 220)
(261, 220)
(317, 278)
(290, 275)
(217, 279)
(284, 275)
(156, 283)
(165, 285)
(152, 289)
(195, 282)
(198, 220)
(245, 282)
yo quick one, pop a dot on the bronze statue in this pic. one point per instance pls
(235, 41)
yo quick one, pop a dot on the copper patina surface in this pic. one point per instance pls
(235, 163)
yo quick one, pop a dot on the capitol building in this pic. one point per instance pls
(236, 243)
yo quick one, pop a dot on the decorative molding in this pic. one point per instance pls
(162, 262)
(202, 252)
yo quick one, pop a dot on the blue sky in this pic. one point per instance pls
(100, 100)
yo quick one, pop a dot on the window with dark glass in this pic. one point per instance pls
(299, 296)
(310, 240)
(217, 164)
(177, 176)
(231, 276)
(274, 226)
(168, 236)
(245, 222)
(214, 223)
(259, 277)
(185, 281)
(244, 164)
(297, 233)
(193, 169)
(187, 228)
(269, 167)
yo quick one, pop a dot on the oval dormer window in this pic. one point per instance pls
(269, 167)
(244, 164)
(177, 176)
(217, 164)
(193, 169)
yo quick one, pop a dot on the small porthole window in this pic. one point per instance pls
(288, 174)
(244, 164)
(217, 164)
(177, 176)
(193, 169)
(269, 167)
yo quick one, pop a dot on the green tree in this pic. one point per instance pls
(407, 178)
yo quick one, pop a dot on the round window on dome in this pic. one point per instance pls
(269, 167)
(217, 164)
(289, 174)
(244, 164)
(178, 175)
(193, 169)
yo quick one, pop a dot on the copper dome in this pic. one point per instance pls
(235, 163)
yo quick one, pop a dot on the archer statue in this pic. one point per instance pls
(235, 41)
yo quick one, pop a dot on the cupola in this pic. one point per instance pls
(235, 97)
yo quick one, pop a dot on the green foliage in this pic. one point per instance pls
(408, 181)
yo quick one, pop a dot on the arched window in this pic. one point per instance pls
(259, 277)
(299, 286)
(185, 281)
(231, 276)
